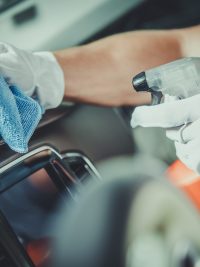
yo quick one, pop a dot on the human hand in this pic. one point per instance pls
(181, 118)
(36, 72)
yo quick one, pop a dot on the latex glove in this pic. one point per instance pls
(34, 72)
(187, 144)
(176, 114)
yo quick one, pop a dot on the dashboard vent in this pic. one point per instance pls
(80, 167)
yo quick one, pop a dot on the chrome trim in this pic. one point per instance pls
(60, 156)
(1, 142)
(26, 156)
(85, 159)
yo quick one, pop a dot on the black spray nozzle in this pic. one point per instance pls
(140, 85)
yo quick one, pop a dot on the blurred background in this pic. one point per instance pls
(50, 24)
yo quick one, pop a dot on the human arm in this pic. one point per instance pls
(101, 72)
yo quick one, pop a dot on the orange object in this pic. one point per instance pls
(38, 251)
(186, 179)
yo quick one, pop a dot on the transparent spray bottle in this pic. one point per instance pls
(180, 78)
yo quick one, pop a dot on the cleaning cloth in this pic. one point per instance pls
(19, 116)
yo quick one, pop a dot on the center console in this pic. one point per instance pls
(32, 190)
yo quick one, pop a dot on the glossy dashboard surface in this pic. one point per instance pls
(98, 132)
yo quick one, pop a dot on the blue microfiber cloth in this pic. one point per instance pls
(19, 116)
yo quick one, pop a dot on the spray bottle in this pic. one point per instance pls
(180, 78)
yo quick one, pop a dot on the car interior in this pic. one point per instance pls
(72, 140)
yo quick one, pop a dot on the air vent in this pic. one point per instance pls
(81, 167)
(79, 170)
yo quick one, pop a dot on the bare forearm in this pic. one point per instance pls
(101, 72)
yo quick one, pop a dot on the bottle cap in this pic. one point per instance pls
(140, 83)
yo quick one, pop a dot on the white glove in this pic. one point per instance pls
(182, 114)
(34, 73)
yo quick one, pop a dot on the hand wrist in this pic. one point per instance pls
(69, 60)
(49, 79)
